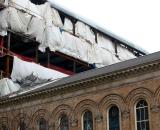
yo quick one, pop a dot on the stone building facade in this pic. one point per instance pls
(121, 89)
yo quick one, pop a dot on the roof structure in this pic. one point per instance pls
(96, 26)
(99, 48)
(92, 75)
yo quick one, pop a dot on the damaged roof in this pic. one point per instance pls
(94, 25)
(86, 76)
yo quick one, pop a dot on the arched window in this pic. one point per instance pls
(114, 122)
(88, 121)
(64, 124)
(142, 119)
(22, 126)
(42, 124)
(4, 128)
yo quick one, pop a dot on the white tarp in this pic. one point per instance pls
(26, 6)
(105, 43)
(105, 57)
(86, 51)
(82, 30)
(68, 25)
(50, 15)
(69, 45)
(3, 22)
(124, 54)
(77, 48)
(7, 86)
(44, 24)
(22, 69)
(52, 38)
(17, 20)
(56, 18)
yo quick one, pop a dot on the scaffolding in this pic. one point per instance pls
(12, 45)
(80, 41)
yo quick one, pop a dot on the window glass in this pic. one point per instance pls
(22, 126)
(4, 128)
(64, 125)
(88, 121)
(42, 124)
(114, 118)
(142, 118)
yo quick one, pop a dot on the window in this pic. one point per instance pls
(114, 118)
(4, 128)
(142, 119)
(64, 124)
(42, 124)
(88, 121)
(22, 126)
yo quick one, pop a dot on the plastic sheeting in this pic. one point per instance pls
(7, 86)
(68, 25)
(51, 38)
(69, 45)
(82, 30)
(124, 54)
(17, 20)
(77, 48)
(50, 15)
(105, 43)
(104, 57)
(3, 22)
(45, 25)
(26, 6)
(22, 69)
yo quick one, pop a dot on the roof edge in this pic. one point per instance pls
(96, 26)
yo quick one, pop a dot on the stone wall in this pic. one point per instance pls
(124, 93)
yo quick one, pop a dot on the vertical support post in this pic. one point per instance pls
(74, 22)
(1, 41)
(48, 57)
(36, 58)
(8, 57)
(116, 48)
(74, 66)
(1, 45)
(116, 51)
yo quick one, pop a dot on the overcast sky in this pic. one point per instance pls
(137, 21)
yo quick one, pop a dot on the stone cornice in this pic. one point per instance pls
(78, 85)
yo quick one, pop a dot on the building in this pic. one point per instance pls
(66, 42)
(121, 95)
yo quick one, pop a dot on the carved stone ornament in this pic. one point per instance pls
(99, 117)
(74, 122)
(155, 108)
(125, 114)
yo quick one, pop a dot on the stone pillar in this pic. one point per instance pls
(154, 117)
(74, 124)
(98, 122)
(125, 121)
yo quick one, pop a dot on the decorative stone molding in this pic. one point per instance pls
(139, 93)
(108, 77)
(99, 118)
(74, 122)
(125, 114)
(51, 126)
(155, 108)
(111, 100)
